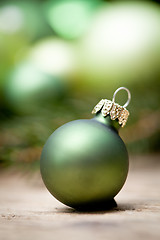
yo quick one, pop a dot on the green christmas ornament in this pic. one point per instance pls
(84, 163)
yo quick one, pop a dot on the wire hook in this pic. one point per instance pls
(129, 95)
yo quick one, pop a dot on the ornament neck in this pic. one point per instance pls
(107, 121)
(113, 109)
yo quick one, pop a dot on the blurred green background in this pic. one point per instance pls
(58, 58)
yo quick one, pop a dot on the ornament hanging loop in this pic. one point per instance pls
(129, 96)
(113, 109)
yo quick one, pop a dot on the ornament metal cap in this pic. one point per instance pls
(116, 111)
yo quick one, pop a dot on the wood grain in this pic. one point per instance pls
(28, 211)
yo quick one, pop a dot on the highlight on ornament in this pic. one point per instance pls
(84, 163)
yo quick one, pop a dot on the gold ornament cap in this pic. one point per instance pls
(116, 111)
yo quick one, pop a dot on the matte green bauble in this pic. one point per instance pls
(85, 162)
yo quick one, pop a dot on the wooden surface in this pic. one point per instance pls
(28, 211)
